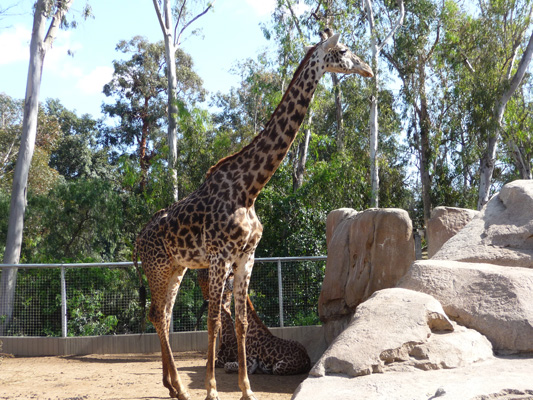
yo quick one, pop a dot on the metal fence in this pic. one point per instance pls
(103, 299)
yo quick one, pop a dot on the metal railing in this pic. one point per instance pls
(262, 293)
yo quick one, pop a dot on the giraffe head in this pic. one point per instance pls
(336, 57)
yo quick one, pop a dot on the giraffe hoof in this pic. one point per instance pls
(184, 396)
(212, 396)
(180, 396)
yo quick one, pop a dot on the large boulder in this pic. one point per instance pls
(397, 329)
(501, 234)
(494, 300)
(496, 379)
(444, 223)
(367, 251)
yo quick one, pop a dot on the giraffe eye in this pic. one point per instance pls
(343, 51)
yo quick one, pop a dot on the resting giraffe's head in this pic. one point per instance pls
(336, 57)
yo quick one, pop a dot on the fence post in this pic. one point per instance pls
(280, 295)
(63, 303)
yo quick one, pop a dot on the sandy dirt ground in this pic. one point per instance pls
(125, 377)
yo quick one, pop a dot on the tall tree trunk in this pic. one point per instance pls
(374, 128)
(299, 166)
(488, 160)
(338, 112)
(523, 164)
(165, 21)
(170, 53)
(373, 123)
(425, 147)
(172, 43)
(40, 42)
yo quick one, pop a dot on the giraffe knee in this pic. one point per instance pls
(215, 324)
(155, 315)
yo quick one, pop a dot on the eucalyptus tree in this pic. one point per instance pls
(11, 113)
(77, 154)
(490, 49)
(172, 33)
(48, 16)
(518, 133)
(139, 86)
(379, 36)
(411, 55)
(509, 84)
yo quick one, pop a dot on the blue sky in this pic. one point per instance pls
(231, 33)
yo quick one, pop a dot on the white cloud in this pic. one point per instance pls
(58, 59)
(300, 8)
(15, 45)
(262, 7)
(94, 81)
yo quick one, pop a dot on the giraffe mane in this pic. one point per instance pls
(215, 167)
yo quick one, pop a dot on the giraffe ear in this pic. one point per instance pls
(332, 41)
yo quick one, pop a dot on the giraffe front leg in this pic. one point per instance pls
(218, 273)
(240, 294)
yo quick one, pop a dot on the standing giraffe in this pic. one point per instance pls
(216, 226)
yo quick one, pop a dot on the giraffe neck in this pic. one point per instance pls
(251, 168)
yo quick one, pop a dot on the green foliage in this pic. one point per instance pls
(85, 317)
(93, 184)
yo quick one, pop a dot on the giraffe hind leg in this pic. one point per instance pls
(164, 290)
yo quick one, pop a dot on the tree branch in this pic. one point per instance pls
(178, 21)
(370, 16)
(517, 78)
(430, 52)
(295, 18)
(399, 22)
(160, 17)
(177, 41)
(467, 63)
(62, 9)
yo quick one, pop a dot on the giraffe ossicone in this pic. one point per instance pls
(216, 227)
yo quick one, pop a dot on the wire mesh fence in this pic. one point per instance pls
(100, 299)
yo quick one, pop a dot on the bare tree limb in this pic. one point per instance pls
(182, 9)
(177, 41)
(295, 18)
(517, 78)
(160, 16)
(399, 22)
(62, 9)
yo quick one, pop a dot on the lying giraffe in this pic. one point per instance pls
(216, 227)
(265, 353)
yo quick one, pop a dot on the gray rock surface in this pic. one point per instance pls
(495, 301)
(497, 378)
(367, 251)
(502, 234)
(400, 329)
(444, 223)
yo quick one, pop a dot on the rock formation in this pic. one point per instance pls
(495, 301)
(421, 336)
(501, 234)
(367, 251)
(432, 336)
(444, 223)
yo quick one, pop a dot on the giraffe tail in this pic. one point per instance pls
(142, 289)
